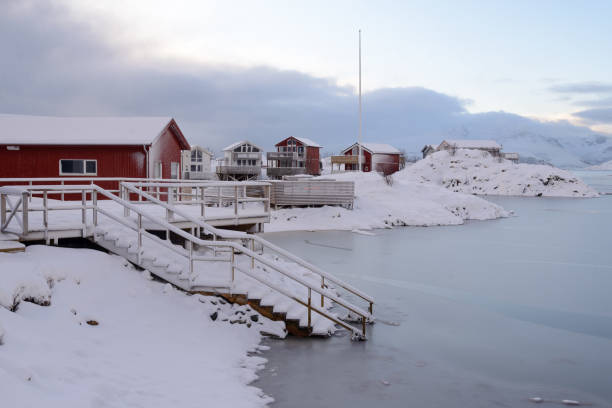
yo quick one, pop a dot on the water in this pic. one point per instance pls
(488, 313)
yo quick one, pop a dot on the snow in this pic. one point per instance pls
(111, 336)
(477, 172)
(379, 205)
(473, 144)
(51, 130)
(603, 166)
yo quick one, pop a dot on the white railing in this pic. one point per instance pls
(226, 234)
(25, 192)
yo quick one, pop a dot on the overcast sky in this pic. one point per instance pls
(263, 70)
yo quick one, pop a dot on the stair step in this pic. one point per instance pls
(174, 268)
(162, 263)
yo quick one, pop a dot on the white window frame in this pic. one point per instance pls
(84, 173)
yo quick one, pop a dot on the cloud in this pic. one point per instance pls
(595, 103)
(600, 115)
(582, 88)
(55, 65)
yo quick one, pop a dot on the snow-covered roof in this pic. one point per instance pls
(202, 149)
(55, 130)
(473, 144)
(308, 142)
(376, 148)
(234, 145)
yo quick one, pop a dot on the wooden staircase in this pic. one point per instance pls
(243, 268)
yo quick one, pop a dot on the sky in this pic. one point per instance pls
(266, 69)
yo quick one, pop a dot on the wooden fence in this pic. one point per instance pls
(312, 193)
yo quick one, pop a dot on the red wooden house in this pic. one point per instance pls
(131, 147)
(294, 155)
(379, 157)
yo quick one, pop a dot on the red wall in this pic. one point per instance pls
(366, 164)
(167, 149)
(388, 163)
(311, 161)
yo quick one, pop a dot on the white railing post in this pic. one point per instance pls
(24, 213)
(203, 203)
(190, 257)
(139, 255)
(309, 307)
(62, 183)
(123, 192)
(46, 216)
(322, 287)
(84, 212)
(244, 195)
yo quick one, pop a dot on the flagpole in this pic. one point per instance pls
(360, 167)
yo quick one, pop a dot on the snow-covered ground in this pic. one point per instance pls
(603, 166)
(477, 172)
(379, 205)
(79, 327)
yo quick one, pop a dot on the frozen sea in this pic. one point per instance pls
(486, 314)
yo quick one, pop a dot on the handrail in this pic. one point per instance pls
(196, 240)
(242, 235)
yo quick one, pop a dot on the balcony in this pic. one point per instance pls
(199, 175)
(279, 172)
(246, 155)
(284, 155)
(345, 159)
(241, 170)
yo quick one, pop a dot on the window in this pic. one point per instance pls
(174, 170)
(196, 167)
(78, 167)
(196, 156)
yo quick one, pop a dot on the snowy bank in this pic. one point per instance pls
(380, 205)
(477, 172)
(109, 335)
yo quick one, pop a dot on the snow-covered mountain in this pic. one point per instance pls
(603, 166)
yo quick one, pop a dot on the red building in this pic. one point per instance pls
(134, 147)
(294, 155)
(379, 157)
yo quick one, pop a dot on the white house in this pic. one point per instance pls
(196, 164)
(490, 146)
(241, 161)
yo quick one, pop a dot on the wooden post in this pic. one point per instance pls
(233, 266)
(236, 201)
(2, 209)
(170, 198)
(24, 213)
(322, 287)
(309, 306)
(122, 194)
(267, 191)
(252, 249)
(94, 201)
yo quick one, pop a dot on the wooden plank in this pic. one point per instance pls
(11, 246)
(315, 192)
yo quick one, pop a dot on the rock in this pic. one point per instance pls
(92, 322)
(213, 316)
(255, 318)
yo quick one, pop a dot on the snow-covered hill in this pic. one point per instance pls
(379, 205)
(477, 172)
